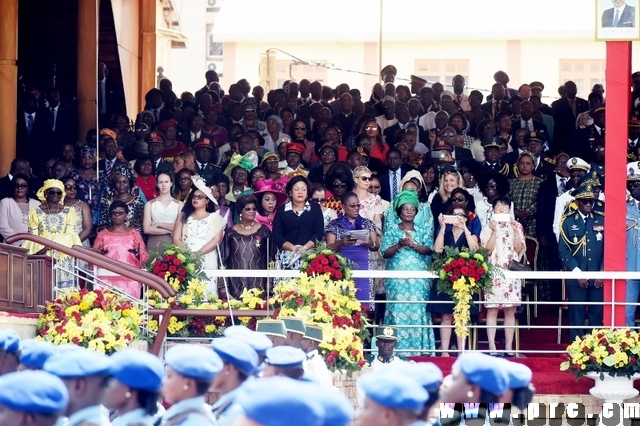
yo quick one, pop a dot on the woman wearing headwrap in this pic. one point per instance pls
(121, 187)
(408, 247)
(56, 222)
(86, 177)
(274, 129)
(172, 146)
(238, 171)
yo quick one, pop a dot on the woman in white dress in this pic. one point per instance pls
(160, 214)
(201, 229)
(14, 210)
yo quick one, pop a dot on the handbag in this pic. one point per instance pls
(514, 265)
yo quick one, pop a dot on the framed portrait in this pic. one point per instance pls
(617, 20)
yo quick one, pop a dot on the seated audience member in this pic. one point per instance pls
(14, 210)
(121, 187)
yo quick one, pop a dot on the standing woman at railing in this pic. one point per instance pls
(14, 210)
(200, 228)
(161, 213)
(298, 224)
(124, 244)
(86, 177)
(55, 222)
(84, 224)
(505, 242)
(407, 247)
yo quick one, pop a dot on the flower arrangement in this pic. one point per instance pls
(194, 297)
(462, 274)
(614, 352)
(177, 265)
(333, 306)
(322, 260)
(98, 320)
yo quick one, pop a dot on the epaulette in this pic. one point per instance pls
(582, 126)
(516, 172)
(550, 160)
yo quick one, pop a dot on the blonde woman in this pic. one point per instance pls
(450, 179)
(184, 160)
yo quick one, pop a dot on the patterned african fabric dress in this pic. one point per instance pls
(418, 339)
(118, 246)
(59, 228)
(524, 194)
(134, 217)
(253, 252)
(359, 255)
(505, 292)
(334, 204)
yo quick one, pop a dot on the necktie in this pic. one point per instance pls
(459, 99)
(29, 123)
(572, 102)
(52, 119)
(616, 18)
(109, 165)
(530, 125)
(562, 185)
(394, 188)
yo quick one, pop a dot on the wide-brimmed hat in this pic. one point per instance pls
(268, 185)
(48, 184)
(248, 162)
(200, 184)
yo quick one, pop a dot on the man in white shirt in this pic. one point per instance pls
(388, 118)
(577, 169)
(460, 98)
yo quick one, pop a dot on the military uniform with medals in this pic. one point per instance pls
(581, 248)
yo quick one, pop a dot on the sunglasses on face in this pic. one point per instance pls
(299, 128)
(631, 184)
(326, 154)
(587, 201)
(374, 187)
(370, 128)
(22, 185)
(51, 192)
(199, 197)
(365, 178)
(69, 187)
(339, 185)
(458, 200)
(491, 185)
(448, 135)
(249, 209)
(318, 200)
(249, 110)
(459, 214)
(353, 206)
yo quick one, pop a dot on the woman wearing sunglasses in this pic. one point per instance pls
(14, 210)
(56, 222)
(84, 223)
(201, 229)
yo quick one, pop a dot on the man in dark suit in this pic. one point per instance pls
(315, 89)
(205, 161)
(154, 100)
(584, 138)
(110, 95)
(110, 160)
(525, 121)
(33, 131)
(62, 120)
(564, 113)
(391, 176)
(210, 76)
(18, 166)
(155, 148)
(497, 102)
(620, 15)
(346, 117)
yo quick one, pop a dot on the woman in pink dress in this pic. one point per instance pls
(124, 244)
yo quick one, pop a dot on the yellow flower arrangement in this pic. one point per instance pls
(611, 351)
(97, 320)
(463, 273)
(332, 305)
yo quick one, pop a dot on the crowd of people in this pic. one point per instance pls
(389, 180)
(271, 376)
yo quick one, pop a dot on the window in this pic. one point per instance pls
(214, 50)
(291, 70)
(442, 70)
(584, 72)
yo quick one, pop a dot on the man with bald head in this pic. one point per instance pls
(346, 117)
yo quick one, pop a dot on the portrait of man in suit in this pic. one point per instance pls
(620, 15)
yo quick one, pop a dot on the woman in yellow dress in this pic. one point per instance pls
(56, 222)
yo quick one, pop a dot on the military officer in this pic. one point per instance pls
(205, 161)
(315, 363)
(32, 397)
(275, 330)
(295, 151)
(296, 330)
(585, 137)
(284, 361)
(85, 373)
(34, 354)
(581, 248)
(577, 169)
(592, 178)
(633, 246)
(492, 161)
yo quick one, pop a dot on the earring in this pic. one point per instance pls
(470, 394)
(185, 387)
(127, 395)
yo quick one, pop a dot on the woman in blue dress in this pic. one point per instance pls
(407, 246)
